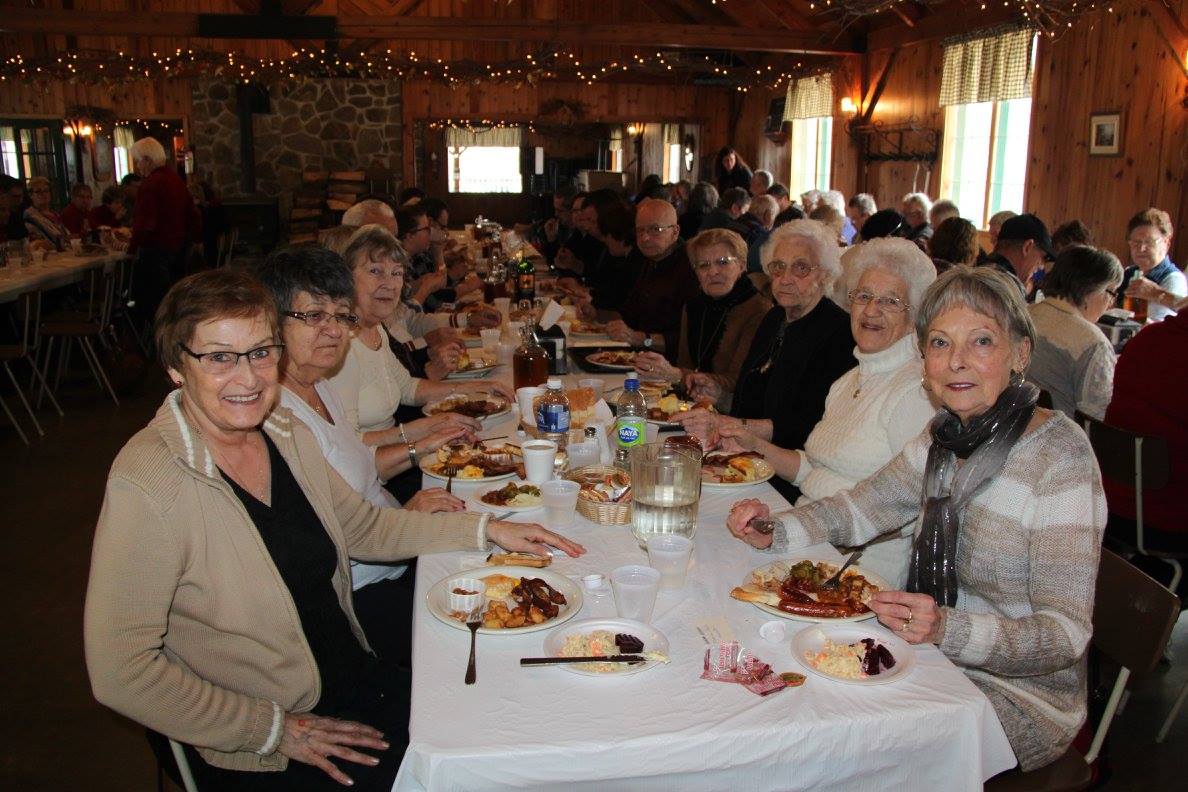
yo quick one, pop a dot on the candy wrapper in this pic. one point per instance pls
(729, 662)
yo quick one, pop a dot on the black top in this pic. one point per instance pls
(706, 322)
(306, 559)
(690, 223)
(720, 218)
(655, 300)
(739, 176)
(1003, 265)
(806, 357)
(587, 250)
(613, 278)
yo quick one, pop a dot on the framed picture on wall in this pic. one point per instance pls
(1105, 134)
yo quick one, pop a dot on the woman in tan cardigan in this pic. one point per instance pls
(219, 605)
(718, 326)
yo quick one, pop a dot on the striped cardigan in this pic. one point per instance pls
(1027, 557)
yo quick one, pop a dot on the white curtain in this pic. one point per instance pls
(988, 66)
(809, 97)
(495, 136)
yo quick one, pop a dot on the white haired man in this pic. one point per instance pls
(165, 223)
(761, 182)
(858, 211)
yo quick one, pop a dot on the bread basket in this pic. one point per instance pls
(601, 512)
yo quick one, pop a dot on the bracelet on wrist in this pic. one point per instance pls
(403, 436)
(412, 454)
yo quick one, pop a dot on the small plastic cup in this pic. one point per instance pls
(503, 305)
(635, 590)
(595, 384)
(524, 398)
(669, 554)
(539, 459)
(491, 336)
(560, 502)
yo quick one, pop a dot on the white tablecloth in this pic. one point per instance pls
(59, 269)
(666, 728)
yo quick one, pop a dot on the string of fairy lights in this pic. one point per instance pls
(546, 64)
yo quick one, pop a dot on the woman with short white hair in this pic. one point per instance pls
(803, 344)
(874, 409)
(147, 155)
(915, 208)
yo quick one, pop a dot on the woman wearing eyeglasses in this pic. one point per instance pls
(1152, 275)
(219, 607)
(875, 408)
(801, 347)
(718, 325)
(43, 224)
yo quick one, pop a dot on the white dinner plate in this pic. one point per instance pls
(609, 366)
(438, 597)
(472, 373)
(788, 563)
(589, 336)
(425, 468)
(430, 409)
(653, 640)
(812, 639)
(765, 471)
(477, 499)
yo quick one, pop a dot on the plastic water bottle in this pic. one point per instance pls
(552, 414)
(630, 422)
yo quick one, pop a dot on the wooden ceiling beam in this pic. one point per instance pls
(938, 24)
(651, 36)
(788, 16)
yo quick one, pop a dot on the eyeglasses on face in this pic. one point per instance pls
(321, 318)
(1149, 242)
(801, 268)
(225, 361)
(1112, 292)
(652, 230)
(887, 302)
(721, 263)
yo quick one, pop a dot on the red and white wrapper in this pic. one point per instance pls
(729, 662)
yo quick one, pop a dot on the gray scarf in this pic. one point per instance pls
(984, 443)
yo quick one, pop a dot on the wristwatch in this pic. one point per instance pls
(412, 454)
(647, 342)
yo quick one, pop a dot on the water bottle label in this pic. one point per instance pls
(552, 418)
(630, 431)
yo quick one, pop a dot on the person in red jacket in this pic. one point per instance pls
(1149, 383)
(165, 223)
(74, 214)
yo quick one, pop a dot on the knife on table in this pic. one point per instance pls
(544, 661)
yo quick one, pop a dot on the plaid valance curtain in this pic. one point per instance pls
(495, 136)
(810, 97)
(987, 66)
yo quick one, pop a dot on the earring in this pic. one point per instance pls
(924, 385)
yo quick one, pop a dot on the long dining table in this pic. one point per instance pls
(666, 728)
(50, 272)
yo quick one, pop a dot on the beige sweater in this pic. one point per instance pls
(189, 628)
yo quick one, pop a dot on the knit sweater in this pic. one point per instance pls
(372, 384)
(871, 413)
(1027, 555)
(189, 628)
(1072, 359)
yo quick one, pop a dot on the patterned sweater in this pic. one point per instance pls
(1027, 560)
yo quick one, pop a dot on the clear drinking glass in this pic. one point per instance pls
(666, 490)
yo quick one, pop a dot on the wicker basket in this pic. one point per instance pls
(601, 512)
(604, 513)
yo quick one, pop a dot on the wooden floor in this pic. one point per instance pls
(53, 736)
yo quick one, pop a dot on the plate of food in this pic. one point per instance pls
(661, 412)
(514, 599)
(612, 359)
(604, 637)
(474, 463)
(734, 470)
(588, 330)
(793, 589)
(473, 364)
(479, 406)
(854, 654)
(510, 497)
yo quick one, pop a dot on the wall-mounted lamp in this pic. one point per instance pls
(632, 130)
(848, 106)
(86, 131)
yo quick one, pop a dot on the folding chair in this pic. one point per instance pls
(29, 312)
(172, 764)
(227, 242)
(1133, 616)
(81, 326)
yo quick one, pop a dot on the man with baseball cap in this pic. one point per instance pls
(1023, 246)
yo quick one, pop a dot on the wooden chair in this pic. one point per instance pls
(1133, 616)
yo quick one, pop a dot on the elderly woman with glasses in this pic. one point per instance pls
(1008, 512)
(219, 608)
(43, 224)
(875, 408)
(718, 325)
(373, 381)
(1152, 276)
(803, 344)
(1073, 360)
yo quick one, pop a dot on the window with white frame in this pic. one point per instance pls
(986, 93)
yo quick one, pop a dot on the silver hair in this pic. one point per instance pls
(767, 178)
(998, 218)
(835, 199)
(865, 202)
(367, 211)
(920, 198)
(945, 209)
(898, 257)
(820, 237)
(150, 148)
(765, 208)
(810, 196)
(983, 290)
